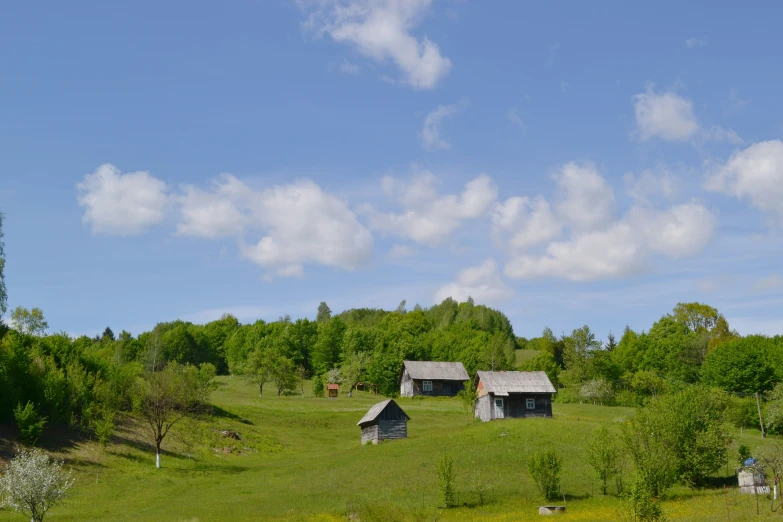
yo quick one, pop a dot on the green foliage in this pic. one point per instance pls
(698, 317)
(29, 422)
(103, 426)
(324, 313)
(318, 385)
(681, 436)
(641, 506)
(446, 476)
(773, 415)
(468, 396)
(544, 468)
(29, 322)
(740, 366)
(604, 455)
(743, 453)
(3, 293)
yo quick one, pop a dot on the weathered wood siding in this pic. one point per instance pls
(440, 388)
(514, 406)
(484, 408)
(370, 434)
(406, 385)
(392, 429)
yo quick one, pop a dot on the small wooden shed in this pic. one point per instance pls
(432, 378)
(332, 390)
(385, 420)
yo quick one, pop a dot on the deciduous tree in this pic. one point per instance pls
(33, 483)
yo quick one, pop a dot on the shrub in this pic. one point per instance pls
(544, 467)
(30, 423)
(318, 386)
(641, 506)
(446, 480)
(103, 427)
(603, 454)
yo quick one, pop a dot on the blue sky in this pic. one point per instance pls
(567, 163)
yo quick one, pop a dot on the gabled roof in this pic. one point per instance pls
(503, 383)
(439, 371)
(376, 410)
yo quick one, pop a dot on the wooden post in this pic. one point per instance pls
(761, 421)
(726, 496)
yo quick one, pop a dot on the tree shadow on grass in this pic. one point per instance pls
(222, 413)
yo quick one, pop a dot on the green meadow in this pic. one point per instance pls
(302, 459)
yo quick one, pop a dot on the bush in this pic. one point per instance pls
(544, 467)
(318, 386)
(641, 506)
(446, 480)
(30, 423)
(103, 427)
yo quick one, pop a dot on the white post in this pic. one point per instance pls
(157, 459)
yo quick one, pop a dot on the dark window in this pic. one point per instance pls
(531, 404)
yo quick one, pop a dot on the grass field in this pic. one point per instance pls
(302, 459)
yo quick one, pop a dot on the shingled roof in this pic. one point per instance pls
(436, 371)
(377, 409)
(503, 383)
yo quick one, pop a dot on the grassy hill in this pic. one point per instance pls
(301, 459)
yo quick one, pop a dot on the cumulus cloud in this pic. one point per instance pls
(669, 116)
(483, 283)
(664, 115)
(599, 245)
(121, 204)
(382, 31)
(428, 217)
(299, 223)
(754, 174)
(650, 185)
(586, 201)
(430, 132)
(527, 223)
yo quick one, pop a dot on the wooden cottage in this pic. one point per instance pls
(432, 378)
(332, 390)
(385, 420)
(513, 395)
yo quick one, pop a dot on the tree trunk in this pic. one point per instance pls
(260, 389)
(157, 455)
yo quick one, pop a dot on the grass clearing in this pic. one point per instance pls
(302, 459)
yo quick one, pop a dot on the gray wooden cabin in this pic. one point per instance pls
(444, 379)
(385, 420)
(513, 395)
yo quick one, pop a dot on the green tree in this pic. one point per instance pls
(328, 349)
(543, 362)
(698, 317)
(165, 397)
(604, 455)
(680, 436)
(740, 366)
(353, 369)
(258, 368)
(544, 468)
(29, 322)
(324, 313)
(284, 375)
(30, 423)
(468, 397)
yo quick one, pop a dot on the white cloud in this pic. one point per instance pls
(213, 214)
(755, 174)
(690, 43)
(669, 116)
(515, 116)
(600, 245)
(526, 223)
(664, 115)
(586, 201)
(381, 30)
(736, 101)
(770, 282)
(121, 204)
(652, 184)
(483, 283)
(301, 223)
(430, 132)
(427, 216)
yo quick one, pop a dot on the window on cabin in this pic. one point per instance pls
(531, 404)
(426, 386)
